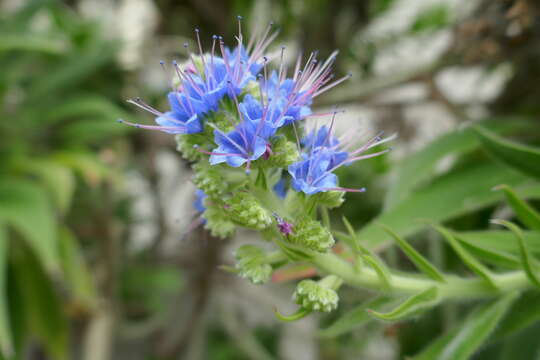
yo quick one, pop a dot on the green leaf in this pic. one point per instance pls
(469, 260)
(6, 339)
(421, 166)
(382, 271)
(490, 254)
(355, 318)
(523, 313)
(526, 259)
(462, 342)
(500, 241)
(76, 272)
(523, 158)
(73, 70)
(412, 306)
(58, 179)
(87, 165)
(44, 43)
(86, 105)
(524, 211)
(370, 258)
(464, 191)
(26, 208)
(43, 308)
(421, 262)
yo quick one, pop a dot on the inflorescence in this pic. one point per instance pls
(243, 126)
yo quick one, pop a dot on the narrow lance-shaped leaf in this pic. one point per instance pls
(371, 259)
(523, 158)
(421, 166)
(526, 258)
(382, 271)
(412, 306)
(421, 262)
(500, 240)
(489, 254)
(466, 189)
(26, 208)
(462, 342)
(43, 307)
(75, 270)
(469, 260)
(6, 339)
(524, 211)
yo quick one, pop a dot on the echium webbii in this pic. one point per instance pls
(204, 80)
(323, 153)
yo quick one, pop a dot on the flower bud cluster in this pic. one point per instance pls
(316, 295)
(251, 264)
(246, 210)
(311, 234)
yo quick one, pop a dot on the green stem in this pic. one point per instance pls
(454, 288)
(275, 257)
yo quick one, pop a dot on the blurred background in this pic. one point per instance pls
(97, 258)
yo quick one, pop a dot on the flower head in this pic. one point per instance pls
(203, 82)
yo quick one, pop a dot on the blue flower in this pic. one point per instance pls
(203, 87)
(198, 204)
(313, 174)
(242, 145)
(184, 117)
(279, 188)
(272, 115)
(296, 105)
(323, 154)
(323, 139)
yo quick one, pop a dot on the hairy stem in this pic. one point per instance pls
(454, 287)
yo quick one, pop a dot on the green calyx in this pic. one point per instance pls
(217, 222)
(187, 146)
(209, 179)
(330, 199)
(284, 153)
(311, 234)
(246, 210)
(251, 264)
(318, 295)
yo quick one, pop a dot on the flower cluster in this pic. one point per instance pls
(243, 127)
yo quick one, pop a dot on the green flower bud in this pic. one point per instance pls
(330, 199)
(311, 234)
(245, 209)
(217, 222)
(318, 295)
(209, 180)
(284, 153)
(251, 264)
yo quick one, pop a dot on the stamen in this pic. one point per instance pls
(335, 83)
(152, 127)
(361, 190)
(196, 147)
(200, 47)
